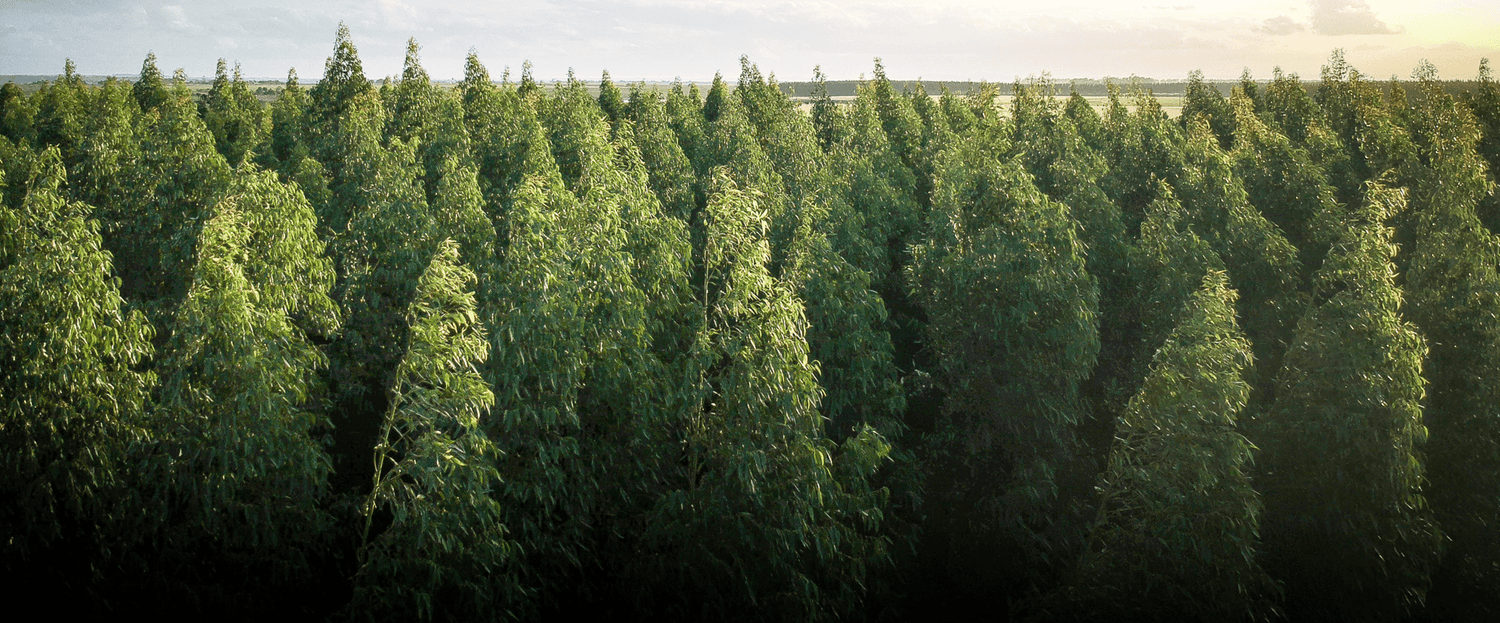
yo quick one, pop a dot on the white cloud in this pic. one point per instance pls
(1281, 25)
(1347, 17)
(176, 17)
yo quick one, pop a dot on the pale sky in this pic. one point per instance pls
(662, 39)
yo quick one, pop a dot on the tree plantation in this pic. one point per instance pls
(512, 351)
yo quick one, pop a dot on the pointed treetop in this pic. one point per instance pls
(412, 69)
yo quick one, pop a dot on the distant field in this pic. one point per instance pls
(1170, 104)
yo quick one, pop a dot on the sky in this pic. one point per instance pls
(654, 40)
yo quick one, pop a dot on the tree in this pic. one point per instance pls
(610, 100)
(1453, 282)
(150, 89)
(509, 142)
(1484, 103)
(1013, 328)
(1205, 100)
(1170, 262)
(17, 114)
(1046, 138)
(61, 113)
(1176, 534)
(234, 116)
(440, 549)
(238, 469)
(1262, 265)
(1284, 184)
(668, 167)
(762, 519)
(1347, 526)
(73, 395)
(111, 146)
(173, 184)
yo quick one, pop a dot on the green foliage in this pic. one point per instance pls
(1013, 327)
(1140, 148)
(150, 90)
(610, 100)
(1484, 103)
(234, 116)
(765, 521)
(1284, 184)
(236, 413)
(1205, 100)
(61, 113)
(667, 165)
(509, 142)
(111, 146)
(1262, 265)
(904, 129)
(343, 84)
(172, 184)
(1176, 535)
(1170, 262)
(72, 396)
(1347, 526)
(1453, 282)
(17, 114)
(288, 119)
(441, 551)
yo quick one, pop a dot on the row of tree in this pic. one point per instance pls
(507, 351)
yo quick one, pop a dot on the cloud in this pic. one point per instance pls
(1281, 25)
(1347, 17)
(176, 17)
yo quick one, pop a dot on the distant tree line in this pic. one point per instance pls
(514, 351)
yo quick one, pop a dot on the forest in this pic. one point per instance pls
(391, 350)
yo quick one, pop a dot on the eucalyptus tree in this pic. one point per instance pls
(291, 149)
(1045, 138)
(1343, 100)
(1205, 100)
(610, 100)
(905, 130)
(508, 141)
(61, 112)
(382, 228)
(1453, 282)
(568, 116)
(880, 194)
(1347, 525)
(173, 183)
(238, 468)
(17, 114)
(289, 135)
(1086, 120)
(668, 168)
(1484, 103)
(433, 545)
(434, 119)
(1169, 261)
(1013, 328)
(111, 146)
(730, 142)
(1284, 184)
(1140, 148)
(761, 508)
(685, 116)
(73, 396)
(235, 118)
(826, 116)
(150, 89)
(1263, 265)
(1176, 534)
